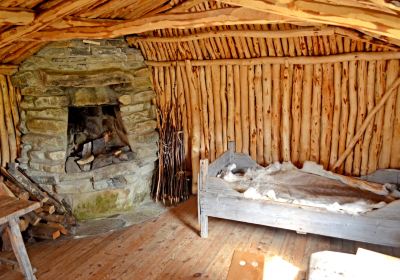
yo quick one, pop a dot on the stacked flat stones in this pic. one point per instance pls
(74, 73)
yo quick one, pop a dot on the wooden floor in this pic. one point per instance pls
(169, 247)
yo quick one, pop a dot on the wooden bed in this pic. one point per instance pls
(216, 198)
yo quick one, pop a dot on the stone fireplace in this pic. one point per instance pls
(88, 124)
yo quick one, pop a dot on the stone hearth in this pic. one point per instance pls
(74, 74)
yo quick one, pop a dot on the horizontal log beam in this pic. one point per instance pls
(284, 60)
(225, 16)
(306, 31)
(16, 16)
(380, 23)
(8, 69)
(44, 19)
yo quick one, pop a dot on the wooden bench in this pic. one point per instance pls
(10, 210)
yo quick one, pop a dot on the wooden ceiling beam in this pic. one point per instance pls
(225, 16)
(15, 16)
(363, 19)
(44, 19)
(8, 69)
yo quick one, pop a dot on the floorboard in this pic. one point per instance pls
(169, 247)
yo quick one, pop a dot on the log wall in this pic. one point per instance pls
(280, 111)
(9, 121)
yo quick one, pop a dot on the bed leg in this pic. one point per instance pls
(203, 226)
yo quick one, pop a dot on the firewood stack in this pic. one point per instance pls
(50, 221)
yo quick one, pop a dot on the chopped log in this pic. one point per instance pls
(44, 231)
(32, 218)
(21, 181)
(23, 224)
(58, 226)
(50, 209)
(61, 219)
(18, 192)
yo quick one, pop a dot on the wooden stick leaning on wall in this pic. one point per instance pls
(5, 150)
(392, 90)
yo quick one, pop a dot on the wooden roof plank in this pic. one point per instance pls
(16, 16)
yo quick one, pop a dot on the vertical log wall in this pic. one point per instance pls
(9, 121)
(280, 111)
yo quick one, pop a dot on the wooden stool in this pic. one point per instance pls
(10, 210)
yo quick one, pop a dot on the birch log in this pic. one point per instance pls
(259, 113)
(216, 81)
(296, 113)
(267, 103)
(316, 113)
(326, 114)
(252, 114)
(231, 104)
(8, 117)
(5, 151)
(352, 114)
(361, 112)
(244, 90)
(337, 71)
(392, 71)
(276, 112)
(306, 114)
(376, 141)
(195, 126)
(211, 115)
(238, 124)
(224, 112)
(370, 94)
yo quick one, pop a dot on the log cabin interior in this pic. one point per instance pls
(210, 139)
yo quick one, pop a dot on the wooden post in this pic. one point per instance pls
(202, 189)
(337, 71)
(195, 126)
(252, 114)
(267, 114)
(19, 249)
(286, 101)
(316, 113)
(244, 109)
(296, 113)
(238, 123)
(259, 113)
(306, 114)
(276, 112)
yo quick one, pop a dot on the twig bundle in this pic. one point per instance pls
(169, 181)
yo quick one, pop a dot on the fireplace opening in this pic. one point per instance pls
(96, 138)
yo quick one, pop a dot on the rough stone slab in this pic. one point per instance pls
(140, 128)
(37, 155)
(56, 155)
(27, 102)
(147, 138)
(41, 91)
(27, 79)
(92, 96)
(87, 79)
(47, 168)
(79, 186)
(110, 183)
(142, 72)
(138, 117)
(51, 113)
(142, 81)
(128, 109)
(51, 101)
(39, 142)
(135, 98)
(100, 203)
(47, 127)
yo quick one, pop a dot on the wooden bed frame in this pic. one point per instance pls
(217, 199)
